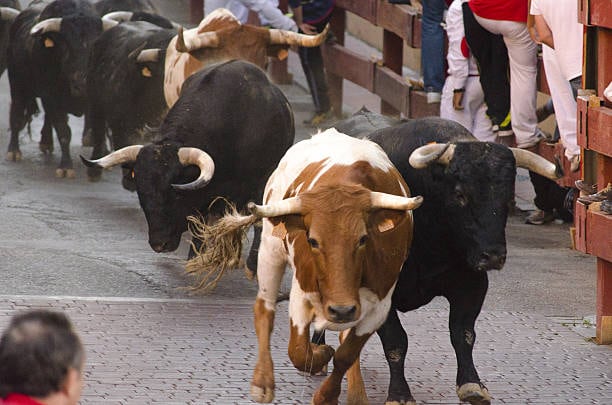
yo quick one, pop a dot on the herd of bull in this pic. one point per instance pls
(191, 117)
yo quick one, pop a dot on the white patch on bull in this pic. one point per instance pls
(271, 262)
(331, 147)
(219, 14)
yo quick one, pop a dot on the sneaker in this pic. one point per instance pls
(606, 207)
(433, 97)
(318, 118)
(539, 217)
(575, 163)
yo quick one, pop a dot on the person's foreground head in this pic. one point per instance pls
(42, 357)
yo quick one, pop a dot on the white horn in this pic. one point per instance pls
(118, 16)
(195, 156)
(435, 152)
(8, 13)
(536, 163)
(287, 206)
(48, 25)
(148, 55)
(394, 202)
(191, 41)
(283, 37)
(123, 155)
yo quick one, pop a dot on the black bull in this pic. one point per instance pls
(459, 233)
(229, 114)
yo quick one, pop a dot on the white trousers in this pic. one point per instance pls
(474, 114)
(522, 54)
(563, 100)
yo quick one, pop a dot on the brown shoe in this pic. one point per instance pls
(585, 187)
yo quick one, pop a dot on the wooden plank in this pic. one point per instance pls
(392, 88)
(599, 231)
(580, 223)
(349, 65)
(583, 105)
(603, 329)
(557, 152)
(419, 107)
(401, 20)
(541, 82)
(599, 130)
(604, 59)
(363, 8)
(600, 13)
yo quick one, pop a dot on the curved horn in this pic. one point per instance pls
(118, 16)
(283, 37)
(123, 155)
(148, 55)
(434, 152)
(394, 202)
(8, 13)
(195, 156)
(48, 25)
(287, 206)
(195, 41)
(536, 163)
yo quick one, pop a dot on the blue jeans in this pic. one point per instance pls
(432, 45)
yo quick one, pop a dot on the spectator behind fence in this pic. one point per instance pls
(462, 96)
(311, 18)
(41, 360)
(509, 19)
(432, 48)
(267, 10)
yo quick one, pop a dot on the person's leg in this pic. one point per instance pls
(522, 53)
(432, 47)
(492, 57)
(563, 101)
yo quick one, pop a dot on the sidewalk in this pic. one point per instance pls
(202, 351)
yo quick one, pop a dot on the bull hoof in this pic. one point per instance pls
(13, 156)
(474, 393)
(67, 173)
(262, 394)
(249, 274)
(45, 148)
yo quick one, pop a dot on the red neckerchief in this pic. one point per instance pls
(18, 399)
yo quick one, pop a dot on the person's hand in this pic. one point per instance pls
(458, 100)
(308, 29)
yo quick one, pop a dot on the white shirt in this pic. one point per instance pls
(460, 66)
(561, 16)
(267, 10)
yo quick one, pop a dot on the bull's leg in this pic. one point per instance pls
(46, 136)
(271, 269)
(251, 262)
(395, 345)
(345, 356)
(318, 338)
(18, 121)
(356, 393)
(98, 140)
(466, 298)
(59, 119)
(87, 137)
(305, 356)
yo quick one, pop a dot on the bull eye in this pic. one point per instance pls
(362, 241)
(460, 198)
(313, 243)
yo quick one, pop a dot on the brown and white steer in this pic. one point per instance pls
(221, 37)
(339, 213)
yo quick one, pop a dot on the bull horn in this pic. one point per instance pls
(48, 25)
(394, 202)
(197, 41)
(148, 55)
(123, 155)
(435, 152)
(287, 206)
(195, 156)
(536, 163)
(8, 13)
(118, 16)
(283, 37)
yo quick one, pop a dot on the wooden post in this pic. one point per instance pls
(603, 328)
(392, 59)
(334, 82)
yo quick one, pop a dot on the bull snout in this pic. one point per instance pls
(491, 261)
(342, 313)
(163, 247)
